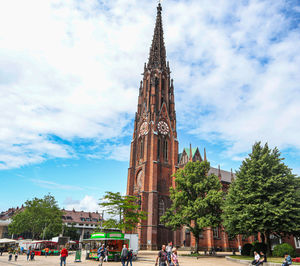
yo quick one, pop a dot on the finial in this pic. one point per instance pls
(219, 172)
(205, 159)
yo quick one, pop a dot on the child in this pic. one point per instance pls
(287, 260)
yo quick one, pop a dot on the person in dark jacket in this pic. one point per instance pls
(129, 257)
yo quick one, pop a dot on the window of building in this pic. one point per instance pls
(158, 149)
(297, 242)
(88, 219)
(95, 220)
(69, 218)
(142, 149)
(161, 209)
(82, 219)
(216, 232)
(165, 150)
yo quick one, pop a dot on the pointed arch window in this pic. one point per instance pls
(165, 150)
(142, 149)
(161, 210)
(158, 149)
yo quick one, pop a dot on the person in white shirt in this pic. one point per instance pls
(256, 258)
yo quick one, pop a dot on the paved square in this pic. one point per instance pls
(145, 258)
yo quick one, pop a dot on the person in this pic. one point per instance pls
(16, 254)
(46, 252)
(124, 254)
(169, 251)
(162, 257)
(28, 253)
(240, 249)
(1, 251)
(106, 254)
(101, 252)
(10, 254)
(32, 255)
(256, 258)
(63, 256)
(263, 258)
(174, 257)
(22, 250)
(184, 241)
(287, 260)
(129, 257)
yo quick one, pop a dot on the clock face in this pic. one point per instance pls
(144, 128)
(163, 127)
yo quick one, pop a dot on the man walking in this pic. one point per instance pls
(124, 255)
(162, 257)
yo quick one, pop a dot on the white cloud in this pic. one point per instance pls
(88, 204)
(53, 185)
(70, 69)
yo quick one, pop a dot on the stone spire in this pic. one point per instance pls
(157, 57)
(205, 159)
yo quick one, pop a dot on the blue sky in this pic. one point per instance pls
(69, 78)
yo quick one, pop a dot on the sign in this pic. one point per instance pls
(78, 256)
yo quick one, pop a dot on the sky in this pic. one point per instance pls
(69, 79)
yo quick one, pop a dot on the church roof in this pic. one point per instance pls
(157, 57)
(225, 175)
(187, 151)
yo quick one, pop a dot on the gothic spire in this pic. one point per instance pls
(157, 57)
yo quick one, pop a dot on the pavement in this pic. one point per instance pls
(144, 258)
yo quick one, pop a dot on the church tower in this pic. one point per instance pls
(154, 146)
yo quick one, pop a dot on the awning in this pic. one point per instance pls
(7, 241)
(100, 239)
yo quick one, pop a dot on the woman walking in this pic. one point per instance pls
(174, 258)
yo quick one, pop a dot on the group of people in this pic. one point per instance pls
(126, 256)
(259, 259)
(11, 252)
(167, 256)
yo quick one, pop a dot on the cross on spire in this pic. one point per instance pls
(157, 57)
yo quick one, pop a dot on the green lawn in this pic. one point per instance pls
(271, 259)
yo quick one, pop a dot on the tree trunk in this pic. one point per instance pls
(262, 236)
(269, 252)
(197, 244)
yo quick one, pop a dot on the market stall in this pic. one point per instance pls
(113, 241)
(39, 247)
(6, 243)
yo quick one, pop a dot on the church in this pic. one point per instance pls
(154, 156)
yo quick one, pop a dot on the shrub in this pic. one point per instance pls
(258, 247)
(281, 249)
(246, 250)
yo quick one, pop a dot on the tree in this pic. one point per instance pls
(124, 211)
(264, 198)
(71, 232)
(40, 217)
(196, 200)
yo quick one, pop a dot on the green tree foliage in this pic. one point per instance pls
(246, 250)
(265, 197)
(124, 211)
(71, 232)
(282, 249)
(196, 200)
(41, 218)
